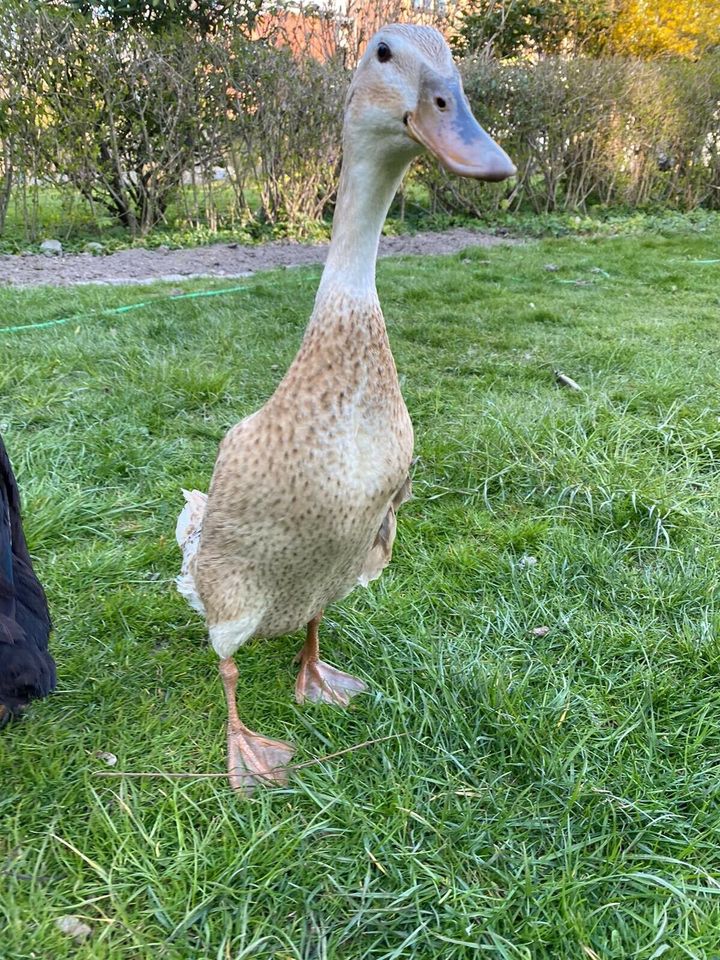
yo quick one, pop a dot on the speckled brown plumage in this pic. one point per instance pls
(301, 489)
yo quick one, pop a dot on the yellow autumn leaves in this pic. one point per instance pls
(651, 28)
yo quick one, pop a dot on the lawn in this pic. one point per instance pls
(547, 793)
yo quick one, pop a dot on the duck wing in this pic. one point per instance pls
(381, 551)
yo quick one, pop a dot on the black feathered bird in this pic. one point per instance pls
(27, 670)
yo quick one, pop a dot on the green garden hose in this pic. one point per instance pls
(22, 327)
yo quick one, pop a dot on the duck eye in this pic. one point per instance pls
(384, 53)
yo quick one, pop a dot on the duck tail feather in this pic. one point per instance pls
(187, 534)
(189, 523)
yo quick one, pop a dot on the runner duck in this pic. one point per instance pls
(303, 496)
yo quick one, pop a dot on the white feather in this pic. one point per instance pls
(187, 533)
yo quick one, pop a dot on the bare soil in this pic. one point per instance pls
(139, 265)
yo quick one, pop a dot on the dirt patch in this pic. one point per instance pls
(221, 260)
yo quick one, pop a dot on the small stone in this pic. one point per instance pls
(540, 631)
(526, 560)
(51, 248)
(109, 758)
(551, 267)
(73, 927)
(94, 247)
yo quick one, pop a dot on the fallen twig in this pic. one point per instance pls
(209, 776)
(565, 381)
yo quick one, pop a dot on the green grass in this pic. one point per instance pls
(545, 797)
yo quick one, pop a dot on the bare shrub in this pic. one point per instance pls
(117, 116)
(286, 132)
(8, 137)
(137, 126)
(17, 121)
(610, 131)
(673, 132)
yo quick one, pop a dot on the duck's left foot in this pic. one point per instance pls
(254, 759)
(321, 683)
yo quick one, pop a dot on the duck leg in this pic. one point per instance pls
(252, 758)
(318, 681)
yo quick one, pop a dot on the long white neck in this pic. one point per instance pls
(368, 183)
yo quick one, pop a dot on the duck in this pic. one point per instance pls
(304, 494)
(27, 669)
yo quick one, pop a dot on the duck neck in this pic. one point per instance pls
(368, 183)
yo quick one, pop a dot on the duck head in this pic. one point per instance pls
(407, 97)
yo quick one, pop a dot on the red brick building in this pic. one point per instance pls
(328, 28)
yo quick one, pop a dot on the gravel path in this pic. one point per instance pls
(221, 260)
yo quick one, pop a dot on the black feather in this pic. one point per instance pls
(27, 670)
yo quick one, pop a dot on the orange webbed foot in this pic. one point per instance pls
(321, 683)
(254, 759)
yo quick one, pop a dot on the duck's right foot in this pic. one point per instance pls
(254, 759)
(321, 683)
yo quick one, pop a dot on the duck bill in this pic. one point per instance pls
(443, 123)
